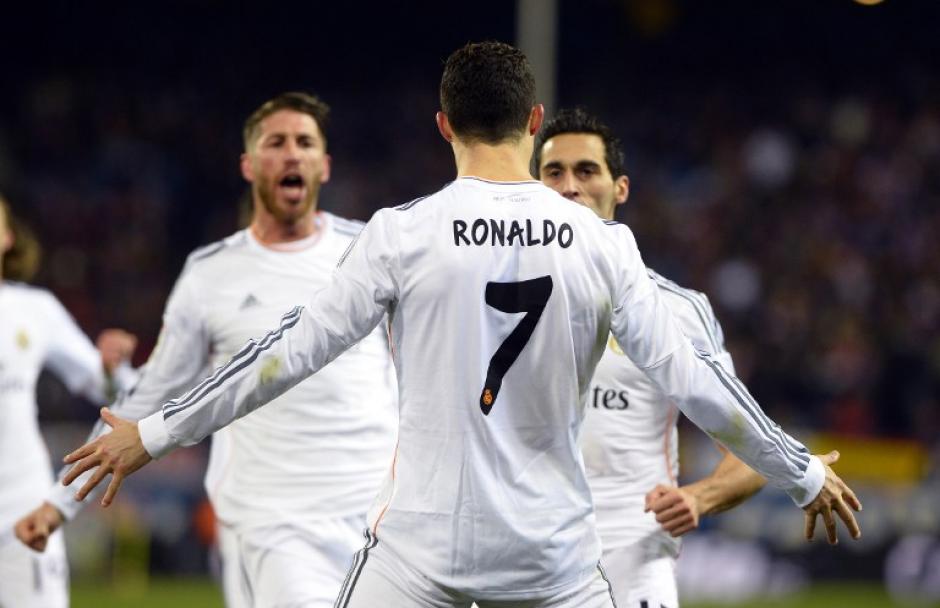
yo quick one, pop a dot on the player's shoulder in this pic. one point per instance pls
(425, 201)
(693, 298)
(26, 293)
(692, 307)
(341, 226)
(213, 251)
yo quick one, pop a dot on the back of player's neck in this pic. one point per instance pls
(502, 163)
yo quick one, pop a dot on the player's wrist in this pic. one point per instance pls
(701, 494)
(809, 487)
(154, 436)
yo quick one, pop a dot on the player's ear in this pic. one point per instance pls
(443, 127)
(536, 116)
(327, 164)
(621, 189)
(247, 170)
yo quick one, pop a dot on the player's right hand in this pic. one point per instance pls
(118, 453)
(36, 527)
(835, 496)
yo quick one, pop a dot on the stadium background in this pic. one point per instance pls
(784, 158)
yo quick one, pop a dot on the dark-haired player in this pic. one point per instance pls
(629, 438)
(290, 485)
(501, 295)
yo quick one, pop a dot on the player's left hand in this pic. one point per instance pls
(116, 346)
(835, 498)
(676, 509)
(119, 452)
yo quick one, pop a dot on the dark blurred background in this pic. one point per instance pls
(784, 158)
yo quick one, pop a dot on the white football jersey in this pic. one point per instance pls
(629, 439)
(319, 451)
(35, 332)
(501, 297)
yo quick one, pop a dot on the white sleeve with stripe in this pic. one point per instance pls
(696, 319)
(180, 356)
(699, 385)
(72, 356)
(361, 292)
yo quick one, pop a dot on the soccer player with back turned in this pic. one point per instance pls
(501, 295)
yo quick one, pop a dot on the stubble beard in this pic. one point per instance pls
(291, 214)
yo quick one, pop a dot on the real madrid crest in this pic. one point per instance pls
(613, 345)
(22, 339)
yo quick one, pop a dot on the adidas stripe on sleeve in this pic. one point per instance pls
(701, 387)
(349, 308)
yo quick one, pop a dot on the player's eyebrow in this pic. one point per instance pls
(587, 164)
(553, 165)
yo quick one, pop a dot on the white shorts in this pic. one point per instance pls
(378, 577)
(640, 580)
(282, 566)
(34, 580)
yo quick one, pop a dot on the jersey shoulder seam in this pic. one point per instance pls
(413, 202)
(207, 251)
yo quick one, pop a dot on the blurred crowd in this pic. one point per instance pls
(814, 234)
(807, 210)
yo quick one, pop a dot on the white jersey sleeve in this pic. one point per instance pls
(699, 385)
(178, 359)
(696, 319)
(363, 289)
(72, 356)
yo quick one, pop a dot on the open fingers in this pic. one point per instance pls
(830, 523)
(848, 519)
(810, 525)
(116, 480)
(109, 418)
(92, 482)
(851, 498)
(80, 453)
(80, 467)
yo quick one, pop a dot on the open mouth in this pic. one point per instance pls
(292, 185)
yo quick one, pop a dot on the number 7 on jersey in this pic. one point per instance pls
(529, 297)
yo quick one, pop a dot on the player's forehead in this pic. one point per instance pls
(288, 122)
(573, 148)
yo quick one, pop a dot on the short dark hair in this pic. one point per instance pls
(487, 92)
(579, 120)
(304, 103)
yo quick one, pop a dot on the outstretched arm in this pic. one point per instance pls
(713, 398)
(362, 291)
(179, 358)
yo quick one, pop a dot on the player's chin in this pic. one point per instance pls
(293, 209)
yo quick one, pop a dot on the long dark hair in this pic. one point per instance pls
(21, 262)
